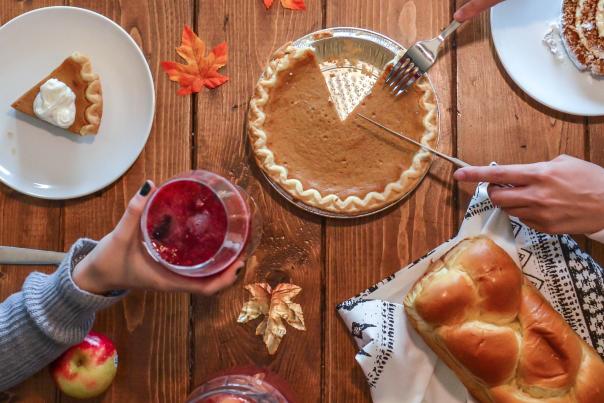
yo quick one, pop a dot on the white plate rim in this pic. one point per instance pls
(509, 72)
(148, 129)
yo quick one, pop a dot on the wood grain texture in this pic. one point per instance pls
(360, 253)
(291, 245)
(32, 223)
(169, 343)
(490, 106)
(596, 155)
(150, 329)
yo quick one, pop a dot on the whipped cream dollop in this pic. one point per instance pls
(55, 103)
(553, 41)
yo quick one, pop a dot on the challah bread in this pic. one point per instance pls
(504, 341)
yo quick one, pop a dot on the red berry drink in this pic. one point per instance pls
(199, 223)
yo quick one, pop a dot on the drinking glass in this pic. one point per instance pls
(199, 214)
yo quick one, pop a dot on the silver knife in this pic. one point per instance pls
(453, 160)
(24, 256)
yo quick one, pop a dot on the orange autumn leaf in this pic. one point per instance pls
(201, 70)
(294, 4)
(291, 4)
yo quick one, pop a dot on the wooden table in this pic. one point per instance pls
(168, 343)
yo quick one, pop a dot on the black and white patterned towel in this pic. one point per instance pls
(398, 365)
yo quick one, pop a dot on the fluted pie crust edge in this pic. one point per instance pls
(94, 95)
(281, 61)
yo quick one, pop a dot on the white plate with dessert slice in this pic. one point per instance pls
(76, 106)
(556, 64)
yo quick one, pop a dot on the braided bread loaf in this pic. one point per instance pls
(504, 341)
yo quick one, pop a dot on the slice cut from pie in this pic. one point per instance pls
(76, 73)
(348, 166)
(583, 33)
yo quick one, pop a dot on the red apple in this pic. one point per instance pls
(87, 369)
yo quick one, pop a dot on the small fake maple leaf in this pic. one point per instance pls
(201, 70)
(276, 306)
(291, 4)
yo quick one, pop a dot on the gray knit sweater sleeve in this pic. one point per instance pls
(49, 314)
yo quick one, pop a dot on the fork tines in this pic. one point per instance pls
(402, 76)
(416, 61)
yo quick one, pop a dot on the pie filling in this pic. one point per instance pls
(341, 166)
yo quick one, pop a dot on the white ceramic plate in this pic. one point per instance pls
(518, 28)
(44, 161)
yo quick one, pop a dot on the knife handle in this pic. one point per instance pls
(25, 256)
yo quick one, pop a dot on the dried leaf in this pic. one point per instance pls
(275, 330)
(276, 306)
(262, 327)
(294, 4)
(286, 292)
(258, 304)
(283, 306)
(201, 70)
(292, 314)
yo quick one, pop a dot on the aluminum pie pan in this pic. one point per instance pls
(346, 55)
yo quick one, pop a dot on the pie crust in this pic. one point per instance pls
(345, 200)
(76, 72)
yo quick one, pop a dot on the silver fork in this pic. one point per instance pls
(416, 61)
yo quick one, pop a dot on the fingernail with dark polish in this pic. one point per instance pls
(145, 189)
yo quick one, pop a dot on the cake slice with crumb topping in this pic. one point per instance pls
(583, 33)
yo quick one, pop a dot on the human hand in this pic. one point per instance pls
(565, 195)
(120, 261)
(472, 8)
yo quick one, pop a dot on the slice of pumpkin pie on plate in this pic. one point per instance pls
(69, 97)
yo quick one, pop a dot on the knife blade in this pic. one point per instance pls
(453, 160)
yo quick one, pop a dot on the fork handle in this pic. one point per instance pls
(449, 30)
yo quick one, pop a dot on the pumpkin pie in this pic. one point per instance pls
(583, 33)
(74, 78)
(341, 166)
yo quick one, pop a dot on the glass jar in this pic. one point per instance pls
(243, 385)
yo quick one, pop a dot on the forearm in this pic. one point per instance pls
(50, 314)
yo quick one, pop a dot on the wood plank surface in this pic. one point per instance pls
(291, 244)
(31, 223)
(360, 253)
(150, 329)
(170, 343)
(490, 106)
(596, 155)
